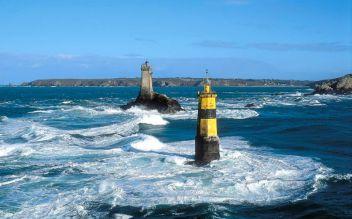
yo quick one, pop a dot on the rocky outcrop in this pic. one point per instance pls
(159, 102)
(342, 85)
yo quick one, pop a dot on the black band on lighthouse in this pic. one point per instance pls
(207, 113)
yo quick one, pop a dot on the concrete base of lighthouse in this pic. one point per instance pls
(207, 149)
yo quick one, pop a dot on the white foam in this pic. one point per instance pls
(221, 113)
(153, 120)
(3, 118)
(67, 109)
(182, 115)
(12, 181)
(148, 143)
(151, 117)
(54, 142)
(299, 99)
(42, 111)
(316, 103)
(326, 96)
(6, 151)
(122, 216)
(140, 111)
(67, 102)
(237, 114)
(102, 110)
(156, 173)
(15, 149)
(108, 187)
(176, 160)
(296, 94)
(105, 110)
(338, 177)
(124, 128)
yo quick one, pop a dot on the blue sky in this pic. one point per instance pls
(284, 39)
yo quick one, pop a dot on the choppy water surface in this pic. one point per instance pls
(71, 152)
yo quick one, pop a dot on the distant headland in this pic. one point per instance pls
(163, 82)
(341, 85)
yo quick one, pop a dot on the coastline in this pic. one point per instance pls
(165, 82)
(254, 86)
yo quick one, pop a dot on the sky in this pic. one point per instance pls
(273, 39)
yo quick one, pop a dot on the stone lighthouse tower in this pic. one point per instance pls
(146, 91)
(149, 99)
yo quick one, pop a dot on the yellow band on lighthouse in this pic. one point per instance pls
(208, 101)
(208, 127)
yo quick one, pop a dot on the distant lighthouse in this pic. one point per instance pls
(146, 91)
(207, 140)
(150, 100)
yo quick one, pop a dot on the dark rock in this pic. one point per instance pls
(250, 105)
(159, 102)
(342, 85)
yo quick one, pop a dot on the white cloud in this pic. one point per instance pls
(65, 56)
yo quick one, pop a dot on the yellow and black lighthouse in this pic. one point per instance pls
(207, 140)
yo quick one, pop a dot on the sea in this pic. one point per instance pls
(71, 152)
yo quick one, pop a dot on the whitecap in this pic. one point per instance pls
(176, 160)
(237, 114)
(151, 117)
(3, 118)
(182, 115)
(67, 102)
(153, 120)
(6, 151)
(122, 129)
(147, 143)
(339, 177)
(316, 103)
(107, 110)
(5, 183)
(42, 111)
(15, 149)
(89, 111)
(296, 94)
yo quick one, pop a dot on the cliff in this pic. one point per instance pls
(163, 82)
(341, 85)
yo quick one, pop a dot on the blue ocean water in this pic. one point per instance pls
(71, 152)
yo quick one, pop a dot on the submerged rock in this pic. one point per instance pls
(159, 102)
(250, 105)
(342, 85)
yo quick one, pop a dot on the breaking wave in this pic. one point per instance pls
(18, 150)
(93, 111)
(151, 117)
(148, 143)
(3, 118)
(81, 110)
